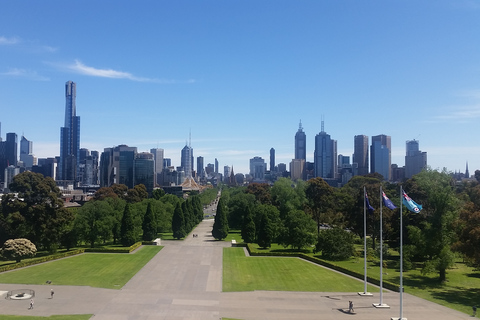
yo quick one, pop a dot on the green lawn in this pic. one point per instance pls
(62, 317)
(103, 270)
(241, 273)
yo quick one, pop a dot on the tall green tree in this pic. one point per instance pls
(335, 244)
(320, 201)
(220, 225)
(274, 219)
(437, 233)
(127, 229)
(248, 228)
(178, 222)
(37, 211)
(265, 232)
(288, 195)
(298, 230)
(238, 205)
(149, 225)
(94, 221)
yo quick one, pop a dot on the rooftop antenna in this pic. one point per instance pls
(300, 125)
(323, 119)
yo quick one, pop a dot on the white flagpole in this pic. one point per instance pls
(401, 252)
(381, 305)
(364, 293)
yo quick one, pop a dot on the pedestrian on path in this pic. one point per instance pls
(474, 311)
(31, 304)
(51, 294)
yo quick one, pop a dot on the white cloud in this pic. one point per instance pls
(79, 67)
(461, 113)
(8, 41)
(25, 74)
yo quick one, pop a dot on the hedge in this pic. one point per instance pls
(115, 249)
(22, 264)
(386, 284)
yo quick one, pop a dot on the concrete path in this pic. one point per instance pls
(184, 281)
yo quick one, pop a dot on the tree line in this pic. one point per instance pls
(34, 210)
(300, 215)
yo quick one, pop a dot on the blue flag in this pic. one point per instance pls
(387, 202)
(369, 207)
(410, 204)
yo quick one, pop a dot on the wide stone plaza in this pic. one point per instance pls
(184, 281)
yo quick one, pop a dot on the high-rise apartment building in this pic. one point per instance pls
(257, 168)
(200, 168)
(272, 160)
(88, 168)
(300, 144)
(117, 165)
(360, 154)
(26, 150)
(187, 161)
(297, 169)
(380, 156)
(325, 155)
(415, 160)
(143, 170)
(70, 137)
(158, 157)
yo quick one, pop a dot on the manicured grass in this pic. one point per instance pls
(61, 317)
(234, 234)
(241, 273)
(102, 270)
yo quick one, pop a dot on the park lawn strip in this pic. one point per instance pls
(241, 273)
(101, 270)
(56, 317)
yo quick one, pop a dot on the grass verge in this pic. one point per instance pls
(57, 317)
(241, 273)
(102, 270)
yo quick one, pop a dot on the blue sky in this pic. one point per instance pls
(240, 75)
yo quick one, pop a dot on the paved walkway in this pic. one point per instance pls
(184, 281)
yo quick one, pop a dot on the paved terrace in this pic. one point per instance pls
(184, 281)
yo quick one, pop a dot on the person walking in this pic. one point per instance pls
(31, 304)
(474, 311)
(51, 294)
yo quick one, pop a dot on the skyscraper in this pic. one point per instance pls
(415, 160)
(70, 137)
(158, 157)
(117, 166)
(26, 155)
(325, 155)
(360, 154)
(300, 144)
(380, 156)
(257, 168)
(272, 159)
(8, 154)
(200, 168)
(143, 170)
(187, 161)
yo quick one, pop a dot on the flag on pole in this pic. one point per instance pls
(369, 207)
(387, 202)
(410, 204)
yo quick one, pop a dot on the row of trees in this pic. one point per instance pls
(293, 213)
(115, 214)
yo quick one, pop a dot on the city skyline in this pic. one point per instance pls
(240, 77)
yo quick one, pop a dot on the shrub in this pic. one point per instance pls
(18, 249)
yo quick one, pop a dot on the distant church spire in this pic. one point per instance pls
(467, 174)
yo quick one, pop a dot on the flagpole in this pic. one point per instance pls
(401, 252)
(365, 293)
(381, 305)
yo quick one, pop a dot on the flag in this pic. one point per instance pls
(369, 207)
(410, 204)
(387, 202)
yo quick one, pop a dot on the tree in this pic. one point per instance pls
(265, 233)
(158, 193)
(273, 215)
(178, 222)
(39, 208)
(248, 228)
(104, 193)
(298, 230)
(220, 225)
(237, 206)
(127, 229)
(440, 206)
(320, 201)
(149, 225)
(288, 195)
(261, 191)
(335, 244)
(18, 249)
(94, 221)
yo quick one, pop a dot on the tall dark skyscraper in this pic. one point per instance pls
(380, 156)
(70, 137)
(300, 144)
(8, 153)
(360, 154)
(325, 156)
(272, 159)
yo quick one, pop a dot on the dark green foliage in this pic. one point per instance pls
(335, 244)
(149, 225)
(220, 226)
(127, 229)
(298, 230)
(238, 205)
(265, 232)
(158, 193)
(248, 228)
(188, 223)
(197, 209)
(273, 216)
(94, 221)
(178, 222)
(37, 213)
